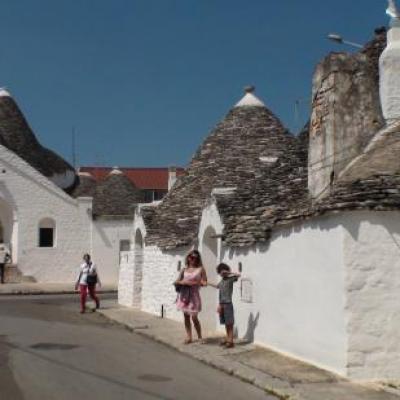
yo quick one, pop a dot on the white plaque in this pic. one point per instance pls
(246, 290)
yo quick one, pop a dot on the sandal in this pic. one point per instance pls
(223, 342)
(187, 341)
(229, 345)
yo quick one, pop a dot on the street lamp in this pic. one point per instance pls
(338, 39)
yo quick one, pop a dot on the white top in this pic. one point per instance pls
(4, 93)
(84, 271)
(116, 171)
(250, 100)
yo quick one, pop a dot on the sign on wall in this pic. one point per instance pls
(246, 290)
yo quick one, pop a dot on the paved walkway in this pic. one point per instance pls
(270, 371)
(45, 288)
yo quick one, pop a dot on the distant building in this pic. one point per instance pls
(311, 221)
(154, 183)
(50, 215)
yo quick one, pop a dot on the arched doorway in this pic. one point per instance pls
(209, 296)
(138, 269)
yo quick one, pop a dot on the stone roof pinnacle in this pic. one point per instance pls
(249, 99)
(4, 92)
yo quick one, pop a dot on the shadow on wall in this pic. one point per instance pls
(320, 223)
(379, 218)
(252, 323)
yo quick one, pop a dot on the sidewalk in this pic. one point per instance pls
(45, 288)
(284, 377)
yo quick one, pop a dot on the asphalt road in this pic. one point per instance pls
(50, 351)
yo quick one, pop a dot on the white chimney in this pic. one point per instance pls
(389, 70)
(171, 177)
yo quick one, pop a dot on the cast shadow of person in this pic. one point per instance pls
(252, 323)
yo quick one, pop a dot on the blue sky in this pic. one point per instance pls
(144, 81)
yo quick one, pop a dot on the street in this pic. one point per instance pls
(50, 351)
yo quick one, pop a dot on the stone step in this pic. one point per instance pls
(12, 274)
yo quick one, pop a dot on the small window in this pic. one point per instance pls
(148, 196)
(159, 194)
(46, 233)
(124, 245)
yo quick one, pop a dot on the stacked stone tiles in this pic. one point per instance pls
(85, 186)
(380, 192)
(116, 196)
(258, 205)
(230, 157)
(17, 136)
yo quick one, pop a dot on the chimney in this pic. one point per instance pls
(389, 67)
(345, 115)
(171, 177)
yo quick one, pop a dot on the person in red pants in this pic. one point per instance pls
(86, 282)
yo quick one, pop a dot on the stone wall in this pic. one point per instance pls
(159, 273)
(156, 270)
(345, 115)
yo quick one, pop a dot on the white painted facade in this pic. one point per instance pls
(389, 64)
(325, 291)
(372, 259)
(27, 197)
(28, 201)
(107, 235)
(146, 280)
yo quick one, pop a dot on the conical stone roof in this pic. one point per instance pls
(85, 186)
(116, 196)
(17, 136)
(249, 139)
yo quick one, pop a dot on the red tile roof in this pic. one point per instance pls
(142, 178)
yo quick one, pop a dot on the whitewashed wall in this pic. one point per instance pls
(326, 291)
(210, 249)
(126, 281)
(372, 258)
(160, 270)
(31, 197)
(298, 293)
(106, 236)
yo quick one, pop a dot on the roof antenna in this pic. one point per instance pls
(73, 147)
(297, 109)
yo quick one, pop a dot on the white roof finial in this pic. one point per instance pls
(393, 12)
(4, 92)
(249, 99)
(116, 171)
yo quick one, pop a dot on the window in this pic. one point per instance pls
(151, 195)
(148, 196)
(47, 232)
(124, 245)
(159, 194)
